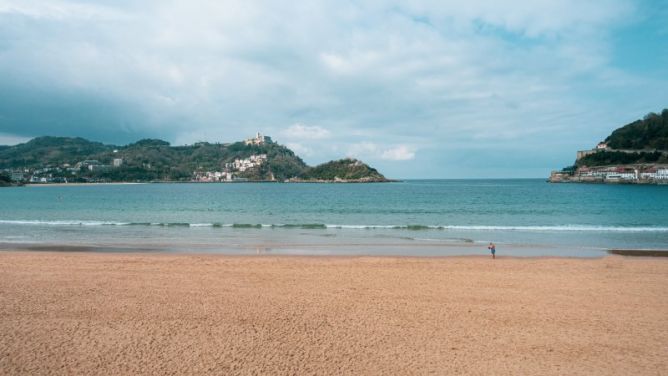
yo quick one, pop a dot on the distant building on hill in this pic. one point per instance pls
(118, 162)
(259, 139)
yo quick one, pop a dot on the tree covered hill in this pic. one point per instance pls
(152, 159)
(642, 141)
(649, 133)
(344, 169)
(50, 150)
(609, 158)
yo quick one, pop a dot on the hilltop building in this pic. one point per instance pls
(259, 139)
(601, 146)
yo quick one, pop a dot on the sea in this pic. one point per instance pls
(523, 217)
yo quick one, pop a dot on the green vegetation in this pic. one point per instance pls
(157, 160)
(5, 180)
(604, 158)
(643, 141)
(282, 163)
(570, 169)
(50, 150)
(649, 133)
(344, 169)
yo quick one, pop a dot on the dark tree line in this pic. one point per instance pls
(603, 158)
(649, 133)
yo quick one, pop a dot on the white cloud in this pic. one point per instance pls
(362, 149)
(305, 132)
(437, 74)
(399, 153)
(60, 10)
(372, 150)
(8, 139)
(299, 149)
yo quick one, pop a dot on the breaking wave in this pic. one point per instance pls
(322, 226)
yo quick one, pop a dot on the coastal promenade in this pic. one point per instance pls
(102, 313)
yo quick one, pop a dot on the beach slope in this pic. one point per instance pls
(94, 313)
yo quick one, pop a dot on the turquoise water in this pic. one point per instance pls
(420, 217)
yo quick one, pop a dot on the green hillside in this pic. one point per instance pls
(5, 180)
(649, 133)
(345, 169)
(50, 150)
(642, 141)
(606, 158)
(152, 159)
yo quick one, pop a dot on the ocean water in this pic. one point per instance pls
(524, 217)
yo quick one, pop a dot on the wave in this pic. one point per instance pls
(322, 226)
(571, 228)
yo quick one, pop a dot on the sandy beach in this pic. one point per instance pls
(96, 313)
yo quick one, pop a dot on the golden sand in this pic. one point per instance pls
(111, 314)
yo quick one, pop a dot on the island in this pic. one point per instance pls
(636, 153)
(65, 160)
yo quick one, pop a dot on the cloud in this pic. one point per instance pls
(305, 132)
(299, 149)
(361, 149)
(399, 153)
(434, 74)
(12, 140)
(59, 10)
(372, 150)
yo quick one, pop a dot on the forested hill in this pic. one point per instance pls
(344, 169)
(649, 133)
(151, 159)
(640, 142)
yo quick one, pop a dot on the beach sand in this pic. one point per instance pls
(96, 313)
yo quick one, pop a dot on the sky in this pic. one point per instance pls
(417, 89)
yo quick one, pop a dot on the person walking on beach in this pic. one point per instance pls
(492, 248)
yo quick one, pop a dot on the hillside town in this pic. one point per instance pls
(60, 174)
(230, 173)
(67, 173)
(640, 173)
(66, 160)
(232, 169)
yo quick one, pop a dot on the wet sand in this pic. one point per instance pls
(97, 313)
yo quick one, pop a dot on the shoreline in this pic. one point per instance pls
(108, 313)
(83, 250)
(639, 252)
(252, 251)
(423, 250)
(79, 184)
(215, 182)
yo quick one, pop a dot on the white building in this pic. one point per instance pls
(242, 165)
(259, 139)
(118, 162)
(213, 176)
(621, 175)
